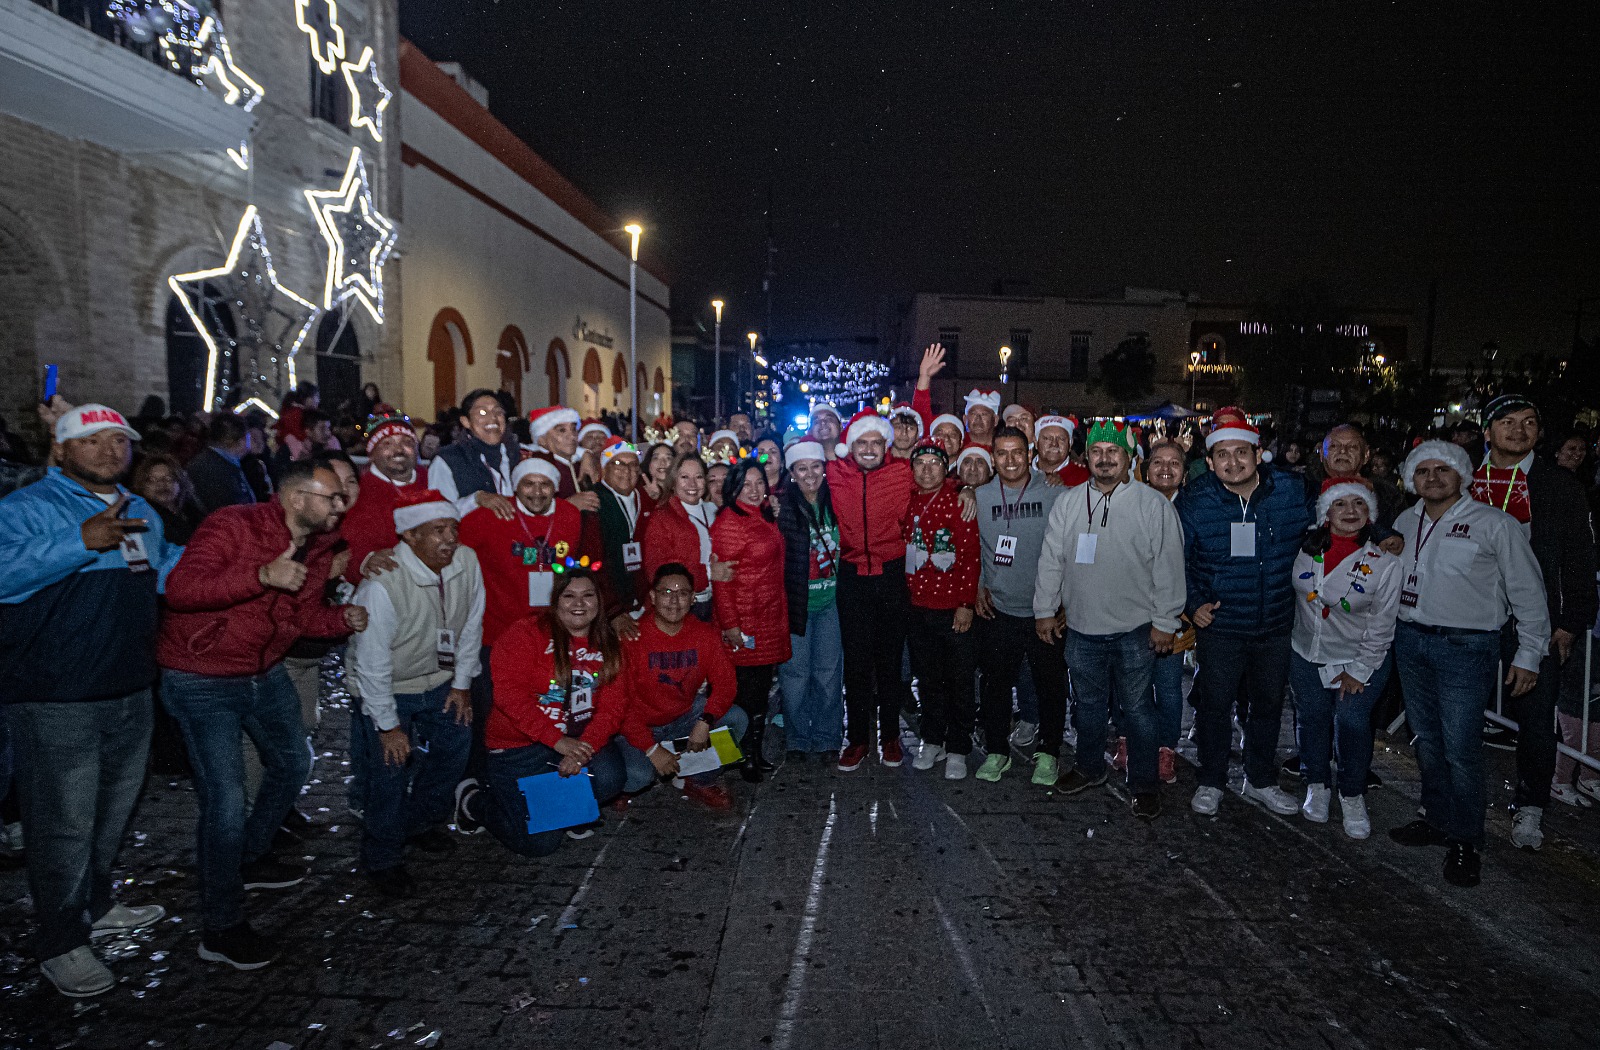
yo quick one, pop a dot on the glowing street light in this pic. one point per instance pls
(633, 230)
(716, 355)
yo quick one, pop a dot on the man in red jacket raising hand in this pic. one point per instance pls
(248, 586)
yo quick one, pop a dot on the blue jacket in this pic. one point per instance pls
(1257, 593)
(75, 624)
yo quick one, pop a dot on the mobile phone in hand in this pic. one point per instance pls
(48, 390)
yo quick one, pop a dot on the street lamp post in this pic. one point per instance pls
(1005, 363)
(753, 336)
(1194, 365)
(633, 230)
(716, 355)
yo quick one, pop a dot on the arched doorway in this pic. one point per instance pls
(619, 383)
(447, 338)
(511, 357)
(593, 376)
(557, 369)
(338, 364)
(188, 354)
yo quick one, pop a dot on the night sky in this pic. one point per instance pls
(1226, 149)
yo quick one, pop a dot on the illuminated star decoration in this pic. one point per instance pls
(223, 77)
(375, 91)
(319, 20)
(271, 321)
(359, 239)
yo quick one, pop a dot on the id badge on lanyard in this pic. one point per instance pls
(632, 556)
(134, 552)
(1005, 550)
(446, 649)
(540, 586)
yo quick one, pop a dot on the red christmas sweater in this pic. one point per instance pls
(942, 550)
(531, 707)
(666, 671)
(510, 552)
(1505, 490)
(369, 526)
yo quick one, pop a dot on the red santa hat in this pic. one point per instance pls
(1062, 422)
(947, 417)
(823, 406)
(1344, 488)
(420, 508)
(380, 430)
(723, 435)
(866, 421)
(905, 411)
(1231, 424)
(542, 420)
(614, 448)
(1013, 409)
(989, 399)
(1446, 452)
(969, 450)
(591, 426)
(535, 465)
(806, 448)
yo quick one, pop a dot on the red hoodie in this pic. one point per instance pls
(531, 708)
(754, 600)
(369, 526)
(870, 506)
(220, 620)
(666, 671)
(509, 552)
(946, 548)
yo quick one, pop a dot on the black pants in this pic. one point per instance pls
(1250, 673)
(754, 687)
(872, 623)
(1535, 715)
(1003, 643)
(943, 661)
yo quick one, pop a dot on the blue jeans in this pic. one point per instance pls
(1249, 672)
(506, 814)
(1448, 681)
(1167, 678)
(1100, 664)
(1324, 720)
(408, 799)
(212, 712)
(79, 769)
(813, 685)
(641, 774)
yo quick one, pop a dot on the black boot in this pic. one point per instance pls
(756, 765)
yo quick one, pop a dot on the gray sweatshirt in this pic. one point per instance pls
(1127, 574)
(1011, 586)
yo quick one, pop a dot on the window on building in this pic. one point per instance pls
(950, 339)
(1078, 362)
(330, 97)
(1020, 339)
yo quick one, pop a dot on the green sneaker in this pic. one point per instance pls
(1046, 771)
(992, 767)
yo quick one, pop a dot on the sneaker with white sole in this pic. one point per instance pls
(123, 919)
(466, 821)
(1024, 735)
(1315, 807)
(1568, 795)
(1357, 824)
(1274, 798)
(1525, 831)
(993, 767)
(1590, 788)
(1206, 800)
(927, 756)
(78, 973)
(955, 767)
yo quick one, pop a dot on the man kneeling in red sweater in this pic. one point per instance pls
(674, 655)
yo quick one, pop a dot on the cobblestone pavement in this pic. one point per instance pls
(882, 908)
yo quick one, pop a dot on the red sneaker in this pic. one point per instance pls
(1167, 765)
(1119, 761)
(892, 755)
(711, 796)
(620, 806)
(850, 758)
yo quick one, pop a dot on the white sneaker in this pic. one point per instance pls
(955, 767)
(78, 973)
(13, 836)
(1274, 798)
(1357, 824)
(1568, 795)
(1024, 735)
(123, 919)
(1206, 800)
(927, 755)
(1525, 831)
(1315, 807)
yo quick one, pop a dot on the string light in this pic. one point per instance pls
(254, 402)
(834, 379)
(327, 35)
(237, 87)
(250, 282)
(359, 239)
(359, 118)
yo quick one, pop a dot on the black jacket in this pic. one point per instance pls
(623, 589)
(218, 482)
(794, 521)
(1563, 541)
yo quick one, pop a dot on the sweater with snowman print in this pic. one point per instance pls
(942, 551)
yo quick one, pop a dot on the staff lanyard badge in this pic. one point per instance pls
(1005, 550)
(1242, 535)
(632, 556)
(446, 649)
(134, 552)
(1087, 541)
(541, 583)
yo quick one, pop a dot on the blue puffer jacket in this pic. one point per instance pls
(1257, 593)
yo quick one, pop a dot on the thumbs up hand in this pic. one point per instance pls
(283, 573)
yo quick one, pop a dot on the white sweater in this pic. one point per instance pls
(1344, 622)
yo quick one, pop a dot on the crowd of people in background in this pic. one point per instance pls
(523, 602)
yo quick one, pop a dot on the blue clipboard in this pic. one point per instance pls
(556, 802)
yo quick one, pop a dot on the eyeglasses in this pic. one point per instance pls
(331, 497)
(673, 593)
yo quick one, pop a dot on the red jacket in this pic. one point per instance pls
(946, 547)
(1073, 474)
(666, 671)
(670, 536)
(870, 506)
(220, 620)
(754, 601)
(528, 709)
(509, 552)
(370, 524)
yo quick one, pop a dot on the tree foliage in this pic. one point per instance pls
(1127, 373)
